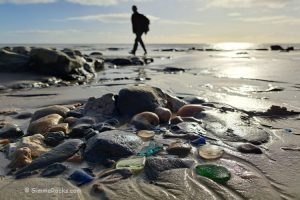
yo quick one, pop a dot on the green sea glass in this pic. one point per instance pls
(216, 173)
(150, 150)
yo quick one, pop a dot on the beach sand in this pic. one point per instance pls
(249, 81)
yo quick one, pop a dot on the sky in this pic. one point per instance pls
(172, 21)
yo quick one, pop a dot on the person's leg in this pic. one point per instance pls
(135, 45)
(142, 43)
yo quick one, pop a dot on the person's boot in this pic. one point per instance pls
(132, 52)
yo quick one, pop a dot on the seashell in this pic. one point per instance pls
(190, 110)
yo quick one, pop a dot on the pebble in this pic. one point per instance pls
(60, 110)
(79, 131)
(249, 148)
(10, 131)
(53, 170)
(176, 120)
(24, 115)
(190, 110)
(71, 121)
(54, 138)
(63, 127)
(210, 152)
(164, 114)
(20, 158)
(44, 124)
(179, 148)
(35, 143)
(145, 120)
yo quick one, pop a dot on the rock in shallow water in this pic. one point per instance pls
(57, 154)
(156, 165)
(113, 145)
(11, 131)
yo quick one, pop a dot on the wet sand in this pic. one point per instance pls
(242, 81)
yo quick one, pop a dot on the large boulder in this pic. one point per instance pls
(13, 62)
(111, 145)
(21, 50)
(56, 63)
(137, 99)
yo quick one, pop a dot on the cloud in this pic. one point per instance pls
(276, 19)
(26, 1)
(248, 3)
(43, 31)
(234, 14)
(102, 2)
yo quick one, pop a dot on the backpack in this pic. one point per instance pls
(145, 24)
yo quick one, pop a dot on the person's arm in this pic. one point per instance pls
(133, 26)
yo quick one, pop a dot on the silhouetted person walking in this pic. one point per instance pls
(140, 25)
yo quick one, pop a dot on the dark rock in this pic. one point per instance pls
(13, 62)
(58, 154)
(290, 49)
(60, 110)
(80, 130)
(53, 170)
(57, 63)
(173, 69)
(111, 145)
(26, 174)
(135, 100)
(11, 131)
(54, 138)
(76, 114)
(86, 120)
(102, 108)
(155, 165)
(90, 133)
(23, 115)
(176, 120)
(249, 148)
(21, 50)
(194, 100)
(102, 127)
(276, 48)
(179, 148)
(96, 54)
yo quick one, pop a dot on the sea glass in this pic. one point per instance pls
(150, 150)
(80, 177)
(199, 141)
(210, 152)
(216, 173)
(135, 164)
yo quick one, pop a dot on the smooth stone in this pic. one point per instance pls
(71, 121)
(216, 173)
(249, 148)
(64, 127)
(190, 110)
(114, 175)
(210, 152)
(111, 145)
(156, 165)
(137, 99)
(135, 164)
(194, 100)
(24, 115)
(60, 110)
(44, 124)
(53, 170)
(26, 174)
(20, 158)
(35, 143)
(86, 120)
(10, 131)
(173, 103)
(179, 148)
(58, 154)
(164, 114)
(79, 131)
(54, 138)
(146, 135)
(80, 177)
(75, 114)
(145, 120)
(4, 141)
(101, 108)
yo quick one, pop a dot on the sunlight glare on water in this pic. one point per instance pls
(233, 46)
